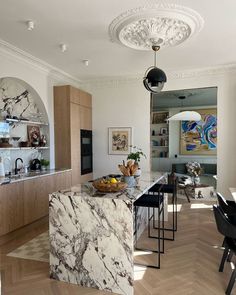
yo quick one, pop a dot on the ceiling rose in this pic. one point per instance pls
(162, 24)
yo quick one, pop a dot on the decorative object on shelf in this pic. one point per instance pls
(119, 140)
(34, 135)
(44, 164)
(24, 144)
(163, 131)
(200, 138)
(154, 78)
(43, 140)
(159, 117)
(4, 143)
(185, 115)
(109, 185)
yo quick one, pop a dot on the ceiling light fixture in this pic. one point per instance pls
(63, 47)
(154, 78)
(185, 115)
(86, 62)
(30, 25)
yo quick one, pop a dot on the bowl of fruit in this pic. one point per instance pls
(109, 185)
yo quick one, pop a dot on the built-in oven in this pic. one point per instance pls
(86, 151)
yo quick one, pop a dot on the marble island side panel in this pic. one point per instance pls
(91, 236)
(91, 242)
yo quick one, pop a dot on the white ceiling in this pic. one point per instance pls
(83, 25)
(193, 98)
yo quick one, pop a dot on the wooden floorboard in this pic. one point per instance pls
(189, 265)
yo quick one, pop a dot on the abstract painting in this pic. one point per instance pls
(119, 140)
(199, 138)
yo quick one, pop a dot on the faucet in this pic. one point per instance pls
(16, 169)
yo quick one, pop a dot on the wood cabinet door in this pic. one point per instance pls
(85, 118)
(11, 207)
(36, 196)
(75, 143)
(85, 99)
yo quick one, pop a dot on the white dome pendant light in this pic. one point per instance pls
(185, 115)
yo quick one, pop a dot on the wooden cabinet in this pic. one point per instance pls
(11, 207)
(72, 112)
(24, 202)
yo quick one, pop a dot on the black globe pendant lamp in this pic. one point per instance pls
(155, 78)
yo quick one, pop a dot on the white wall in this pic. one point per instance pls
(119, 105)
(128, 104)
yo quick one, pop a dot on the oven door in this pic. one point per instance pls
(86, 151)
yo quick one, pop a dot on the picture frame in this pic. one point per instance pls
(33, 135)
(159, 117)
(199, 138)
(119, 140)
(164, 131)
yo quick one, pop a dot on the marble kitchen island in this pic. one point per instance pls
(91, 235)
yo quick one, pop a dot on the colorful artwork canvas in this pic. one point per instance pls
(200, 138)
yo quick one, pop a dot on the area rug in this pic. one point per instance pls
(35, 249)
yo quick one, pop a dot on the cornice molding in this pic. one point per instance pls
(185, 74)
(21, 55)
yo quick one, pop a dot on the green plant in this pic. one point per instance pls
(44, 163)
(136, 154)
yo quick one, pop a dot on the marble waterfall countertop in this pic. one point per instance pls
(30, 175)
(91, 235)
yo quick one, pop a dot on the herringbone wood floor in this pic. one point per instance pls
(189, 265)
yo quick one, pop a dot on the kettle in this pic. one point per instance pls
(35, 164)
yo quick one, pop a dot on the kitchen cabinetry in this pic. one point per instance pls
(24, 202)
(72, 112)
(11, 207)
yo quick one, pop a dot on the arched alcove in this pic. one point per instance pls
(23, 109)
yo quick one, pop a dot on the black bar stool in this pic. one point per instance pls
(152, 202)
(169, 188)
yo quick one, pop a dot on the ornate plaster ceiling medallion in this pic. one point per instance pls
(164, 25)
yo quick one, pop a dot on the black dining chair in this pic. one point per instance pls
(152, 202)
(228, 230)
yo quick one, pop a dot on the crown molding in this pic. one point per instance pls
(23, 56)
(185, 74)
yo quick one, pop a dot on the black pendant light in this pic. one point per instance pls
(154, 77)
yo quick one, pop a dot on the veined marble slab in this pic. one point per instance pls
(91, 236)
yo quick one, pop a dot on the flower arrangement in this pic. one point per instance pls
(194, 168)
(136, 154)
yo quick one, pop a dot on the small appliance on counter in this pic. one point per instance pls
(35, 164)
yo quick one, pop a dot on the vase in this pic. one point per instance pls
(130, 180)
(138, 172)
(196, 180)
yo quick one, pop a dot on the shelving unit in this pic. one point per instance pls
(159, 135)
(25, 148)
(25, 122)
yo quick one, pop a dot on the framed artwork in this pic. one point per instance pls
(199, 138)
(33, 135)
(158, 118)
(119, 140)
